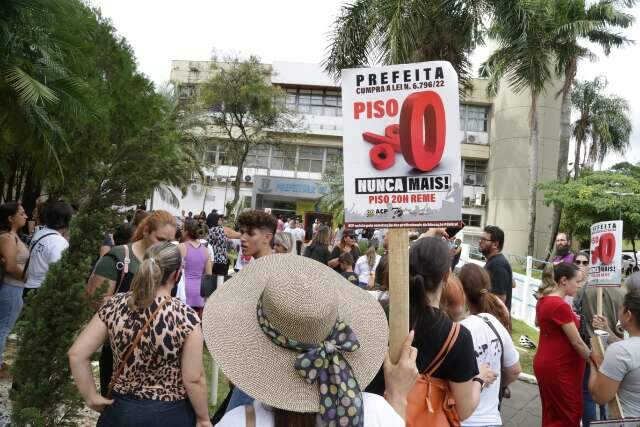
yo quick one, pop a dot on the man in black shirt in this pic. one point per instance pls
(497, 265)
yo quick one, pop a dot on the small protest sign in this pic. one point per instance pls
(605, 264)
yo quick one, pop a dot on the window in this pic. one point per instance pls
(472, 220)
(223, 156)
(474, 118)
(475, 172)
(283, 158)
(310, 159)
(258, 157)
(317, 101)
(334, 156)
(210, 153)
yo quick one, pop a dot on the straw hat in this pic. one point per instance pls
(303, 299)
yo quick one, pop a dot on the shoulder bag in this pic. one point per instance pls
(134, 344)
(430, 403)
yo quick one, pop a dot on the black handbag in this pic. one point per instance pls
(208, 285)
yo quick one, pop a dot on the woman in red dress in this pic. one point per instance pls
(560, 361)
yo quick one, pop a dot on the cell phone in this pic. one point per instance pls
(452, 231)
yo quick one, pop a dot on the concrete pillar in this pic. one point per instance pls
(509, 165)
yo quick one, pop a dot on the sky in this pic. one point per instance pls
(297, 31)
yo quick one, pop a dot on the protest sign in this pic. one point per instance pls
(625, 422)
(401, 146)
(605, 265)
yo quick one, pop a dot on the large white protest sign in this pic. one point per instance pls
(402, 146)
(605, 266)
(625, 422)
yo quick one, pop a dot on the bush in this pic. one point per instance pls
(46, 395)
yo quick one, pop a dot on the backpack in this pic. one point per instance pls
(430, 403)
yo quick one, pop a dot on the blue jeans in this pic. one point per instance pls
(10, 307)
(129, 411)
(238, 398)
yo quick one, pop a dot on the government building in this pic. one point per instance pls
(287, 179)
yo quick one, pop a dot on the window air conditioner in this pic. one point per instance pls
(480, 199)
(248, 178)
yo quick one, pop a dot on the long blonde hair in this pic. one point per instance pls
(371, 257)
(160, 261)
(552, 274)
(285, 240)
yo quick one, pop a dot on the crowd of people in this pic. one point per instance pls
(301, 331)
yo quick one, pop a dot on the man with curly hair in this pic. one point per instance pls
(257, 229)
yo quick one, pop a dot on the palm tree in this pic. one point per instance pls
(574, 23)
(524, 58)
(403, 31)
(603, 125)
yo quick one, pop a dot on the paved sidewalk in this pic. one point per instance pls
(524, 408)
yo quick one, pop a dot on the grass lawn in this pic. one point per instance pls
(223, 384)
(526, 356)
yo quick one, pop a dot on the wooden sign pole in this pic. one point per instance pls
(614, 409)
(599, 301)
(398, 290)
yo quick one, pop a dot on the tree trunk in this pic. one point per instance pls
(13, 165)
(534, 142)
(576, 160)
(31, 192)
(563, 158)
(238, 181)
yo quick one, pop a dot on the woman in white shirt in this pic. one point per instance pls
(365, 268)
(302, 360)
(491, 341)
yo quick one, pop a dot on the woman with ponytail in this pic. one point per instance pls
(117, 268)
(561, 358)
(429, 269)
(157, 343)
(487, 321)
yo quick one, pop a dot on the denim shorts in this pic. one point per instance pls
(129, 411)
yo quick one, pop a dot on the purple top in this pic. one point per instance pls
(567, 258)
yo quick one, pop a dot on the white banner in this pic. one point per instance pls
(402, 146)
(605, 265)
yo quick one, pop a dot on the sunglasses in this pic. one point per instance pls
(577, 262)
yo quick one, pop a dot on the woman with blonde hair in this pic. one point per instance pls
(157, 343)
(117, 268)
(365, 268)
(283, 243)
(561, 358)
(318, 249)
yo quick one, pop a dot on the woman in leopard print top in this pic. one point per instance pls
(162, 382)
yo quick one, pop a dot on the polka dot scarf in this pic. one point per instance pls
(340, 395)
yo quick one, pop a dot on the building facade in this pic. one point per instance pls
(287, 179)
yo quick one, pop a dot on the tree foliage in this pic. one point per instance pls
(595, 197)
(603, 125)
(333, 200)
(369, 32)
(245, 111)
(79, 123)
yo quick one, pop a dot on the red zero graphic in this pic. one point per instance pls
(595, 254)
(382, 156)
(422, 130)
(607, 247)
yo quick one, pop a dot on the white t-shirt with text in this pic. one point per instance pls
(49, 245)
(487, 350)
(377, 413)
